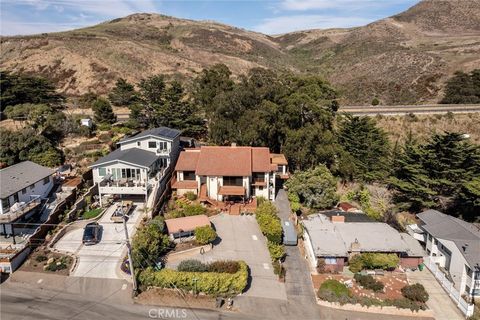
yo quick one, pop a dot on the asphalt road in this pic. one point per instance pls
(409, 109)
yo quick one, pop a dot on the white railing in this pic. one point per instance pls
(464, 306)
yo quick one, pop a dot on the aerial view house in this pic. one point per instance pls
(335, 237)
(227, 173)
(454, 245)
(24, 185)
(138, 163)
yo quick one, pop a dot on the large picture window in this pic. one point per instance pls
(152, 144)
(233, 181)
(102, 172)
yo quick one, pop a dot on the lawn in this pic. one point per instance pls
(91, 213)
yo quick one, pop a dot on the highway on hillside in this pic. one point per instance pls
(410, 109)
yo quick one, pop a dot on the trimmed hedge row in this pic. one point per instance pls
(212, 283)
(269, 222)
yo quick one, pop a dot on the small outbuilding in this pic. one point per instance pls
(185, 226)
(87, 122)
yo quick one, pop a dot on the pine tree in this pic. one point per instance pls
(123, 94)
(410, 179)
(103, 112)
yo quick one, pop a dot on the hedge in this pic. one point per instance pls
(269, 222)
(373, 261)
(211, 283)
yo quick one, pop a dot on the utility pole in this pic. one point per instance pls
(129, 251)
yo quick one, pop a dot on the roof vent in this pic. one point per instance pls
(464, 247)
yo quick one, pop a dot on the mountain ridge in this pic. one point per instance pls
(399, 59)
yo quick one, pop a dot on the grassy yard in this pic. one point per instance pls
(91, 213)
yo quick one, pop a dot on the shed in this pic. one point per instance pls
(289, 234)
(86, 122)
(185, 226)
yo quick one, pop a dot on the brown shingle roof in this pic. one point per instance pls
(186, 223)
(187, 161)
(278, 158)
(260, 160)
(225, 161)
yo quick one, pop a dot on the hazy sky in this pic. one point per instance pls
(271, 17)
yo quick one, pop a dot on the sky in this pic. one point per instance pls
(266, 16)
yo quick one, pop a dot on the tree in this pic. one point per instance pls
(411, 180)
(21, 89)
(316, 188)
(468, 200)
(103, 112)
(463, 88)
(368, 146)
(27, 145)
(123, 94)
(148, 244)
(205, 234)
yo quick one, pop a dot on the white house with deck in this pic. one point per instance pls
(138, 164)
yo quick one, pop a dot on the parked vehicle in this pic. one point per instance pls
(289, 234)
(91, 233)
(123, 208)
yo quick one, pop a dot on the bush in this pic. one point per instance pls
(277, 251)
(41, 258)
(205, 234)
(279, 269)
(415, 292)
(269, 223)
(192, 266)
(355, 264)
(335, 287)
(375, 101)
(211, 283)
(369, 282)
(193, 210)
(191, 196)
(224, 266)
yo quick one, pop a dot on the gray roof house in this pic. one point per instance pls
(21, 175)
(138, 164)
(454, 245)
(334, 237)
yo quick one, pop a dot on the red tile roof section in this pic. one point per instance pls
(186, 223)
(261, 160)
(225, 161)
(187, 160)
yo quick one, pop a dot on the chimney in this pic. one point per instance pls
(464, 247)
(338, 218)
(234, 144)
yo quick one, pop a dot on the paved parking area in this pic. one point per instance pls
(103, 259)
(241, 239)
(442, 306)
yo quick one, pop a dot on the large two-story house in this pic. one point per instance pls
(23, 186)
(454, 245)
(228, 173)
(138, 163)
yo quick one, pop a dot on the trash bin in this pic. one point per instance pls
(421, 266)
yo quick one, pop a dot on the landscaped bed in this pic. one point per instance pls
(44, 260)
(90, 214)
(391, 290)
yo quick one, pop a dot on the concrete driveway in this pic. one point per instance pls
(103, 259)
(241, 239)
(442, 306)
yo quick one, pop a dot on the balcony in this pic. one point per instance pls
(21, 210)
(164, 152)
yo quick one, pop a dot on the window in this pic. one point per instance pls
(162, 145)
(24, 190)
(15, 198)
(102, 172)
(46, 180)
(138, 143)
(188, 175)
(260, 188)
(233, 181)
(467, 290)
(152, 144)
(430, 237)
(469, 271)
(32, 186)
(5, 205)
(330, 260)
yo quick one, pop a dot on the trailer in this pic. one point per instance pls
(289, 234)
(123, 208)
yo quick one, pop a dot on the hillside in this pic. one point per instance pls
(402, 59)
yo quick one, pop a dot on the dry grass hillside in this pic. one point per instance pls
(402, 59)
